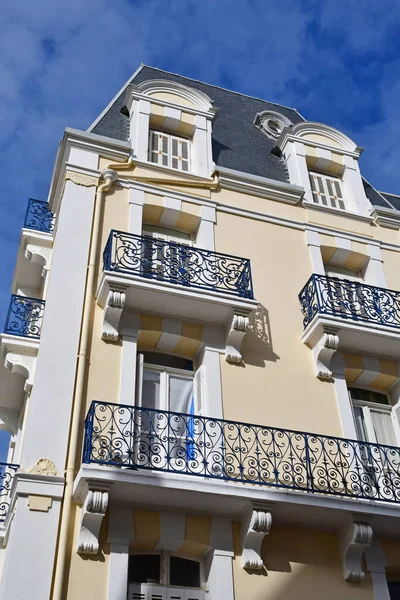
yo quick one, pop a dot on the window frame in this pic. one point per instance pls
(170, 157)
(366, 407)
(316, 192)
(165, 373)
(165, 556)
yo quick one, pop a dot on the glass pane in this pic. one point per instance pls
(144, 568)
(368, 396)
(180, 394)
(174, 163)
(151, 389)
(383, 428)
(165, 160)
(174, 147)
(184, 572)
(360, 424)
(184, 150)
(185, 165)
(164, 144)
(338, 190)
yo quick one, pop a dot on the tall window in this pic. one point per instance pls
(165, 254)
(373, 419)
(327, 191)
(163, 576)
(169, 150)
(169, 385)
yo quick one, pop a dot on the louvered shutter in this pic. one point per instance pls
(144, 591)
(318, 190)
(395, 414)
(153, 147)
(184, 594)
(199, 390)
(193, 595)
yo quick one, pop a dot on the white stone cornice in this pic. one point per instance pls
(236, 333)
(112, 315)
(256, 524)
(355, 538)
(93, 512)
(259, 186)
(386, 217)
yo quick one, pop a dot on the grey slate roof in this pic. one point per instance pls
(236, 142)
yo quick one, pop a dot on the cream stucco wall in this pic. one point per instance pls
(276, 384)
(299, 565)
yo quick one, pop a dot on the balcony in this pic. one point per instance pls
(176, 279)
(39, 217)
(7, 473)
(182, 444)
(364, 318)
(24, 317)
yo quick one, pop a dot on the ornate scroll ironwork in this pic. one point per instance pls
(349, 300)
(25, 316)
(39, 217)
(7, 473)
(142, 438)
(157, 259)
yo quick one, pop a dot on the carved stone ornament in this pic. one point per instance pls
(235, 337)
(22, 365)
(93, 512)
(355, 538)
(81, 178)
(112, 315)
(255, 527)
(323, 353)
(44, 466)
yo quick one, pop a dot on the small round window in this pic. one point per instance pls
(274, 126)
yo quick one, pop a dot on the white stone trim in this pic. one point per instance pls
(323, 352)
(376, 565)
(234, 339)
(355, 538)
(112, 315)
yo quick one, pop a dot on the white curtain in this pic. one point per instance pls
(383, 427)
(151, 389)
(180, 394)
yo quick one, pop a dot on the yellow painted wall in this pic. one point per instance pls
(391, 263)
(276, 385)
(88, 575)
(300, 565)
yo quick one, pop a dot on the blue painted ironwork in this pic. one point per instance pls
(153, 258)
(39, 217)
(24, 316)
(349, 300)
(7, 472)
(142, 438)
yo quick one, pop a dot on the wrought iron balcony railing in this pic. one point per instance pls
(39, 217)
(178, 263)
(24, 317)
(349, 300)
(7, 472)
(141, 438)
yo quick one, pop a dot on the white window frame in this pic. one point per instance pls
(366, 410)
(323, 190)
(170, 157)
(165, 568)
(165, 373)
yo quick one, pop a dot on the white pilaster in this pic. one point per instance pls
(140, 129)
(343, 400)
(211, 361)
(374, 273)
(376, 565)
(119, 536)
(353, 188)
(200, 157)
(220, 579)
(46, 431)
(136, 201)
(295, 156)
(205, 233)
(128, 370)
(314, 243)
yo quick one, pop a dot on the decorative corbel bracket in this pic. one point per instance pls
(93, 512)
(40, 255)
(323, 352)
(112, 314)
(23, 365)
(236, 333)
(9, 420)
(355, 538)
(255, 526)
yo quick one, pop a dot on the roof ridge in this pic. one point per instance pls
(222, 88)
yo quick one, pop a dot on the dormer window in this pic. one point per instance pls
(327, 191)
(169, 151)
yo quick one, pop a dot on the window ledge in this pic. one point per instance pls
(338, 211)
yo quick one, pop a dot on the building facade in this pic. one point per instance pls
(201, 361)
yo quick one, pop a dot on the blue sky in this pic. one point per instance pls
(61, 62)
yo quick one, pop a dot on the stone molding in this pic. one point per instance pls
(323, 353)
(81, 178)
(255, 526)
(43, 466)
(355, 538)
